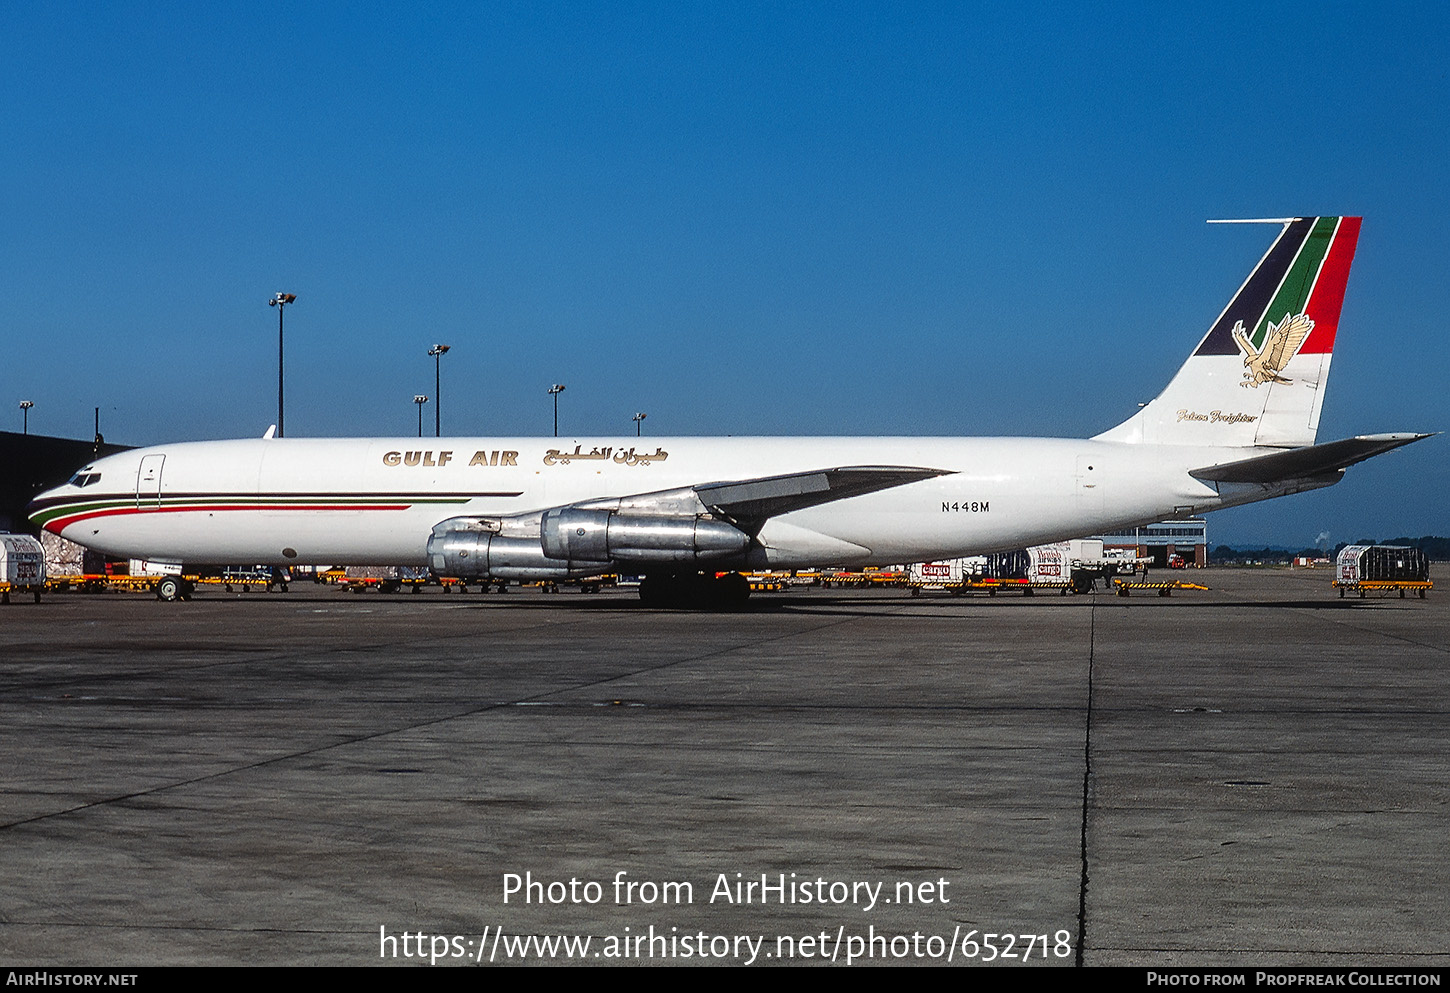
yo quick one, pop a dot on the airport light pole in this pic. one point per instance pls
(639, 423)
(554, 392)
(420, 399)
(25, 406)
(280, 301)
(437, 351)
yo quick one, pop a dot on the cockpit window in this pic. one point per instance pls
(84, 478)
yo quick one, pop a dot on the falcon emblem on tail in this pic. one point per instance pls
(1280, 345)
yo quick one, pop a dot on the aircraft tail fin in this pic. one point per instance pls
(1257, 378)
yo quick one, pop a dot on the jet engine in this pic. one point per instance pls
(581, 534)
(467, 549)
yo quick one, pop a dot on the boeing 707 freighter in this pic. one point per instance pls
(1237, 424)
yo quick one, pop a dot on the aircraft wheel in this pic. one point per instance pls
(654, 590)
(732, 589)
(674, 590)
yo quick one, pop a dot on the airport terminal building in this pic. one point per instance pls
(1188, 538)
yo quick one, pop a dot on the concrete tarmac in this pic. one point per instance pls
(1254, 775)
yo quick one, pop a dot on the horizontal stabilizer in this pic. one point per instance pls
(757, 499)
(1300, 463)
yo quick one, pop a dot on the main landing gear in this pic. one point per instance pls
(694, 591)
(173, 588)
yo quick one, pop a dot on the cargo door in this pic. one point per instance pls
(148, 481)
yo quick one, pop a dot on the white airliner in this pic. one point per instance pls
(1237, 424)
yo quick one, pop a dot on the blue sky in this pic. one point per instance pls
(741, 218)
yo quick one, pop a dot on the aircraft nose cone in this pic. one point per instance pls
(36, 511)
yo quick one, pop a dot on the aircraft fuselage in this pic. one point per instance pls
(375, 501)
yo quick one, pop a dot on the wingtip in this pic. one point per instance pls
(1403, 437)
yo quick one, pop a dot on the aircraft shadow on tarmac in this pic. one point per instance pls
(817, 603)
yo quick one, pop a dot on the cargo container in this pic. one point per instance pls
(1008, 565)
(947, 572)
(63, 558)
(1382, 569)
(1078, 563)
(22, 566)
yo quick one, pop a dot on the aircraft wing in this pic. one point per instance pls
(676, 528)
(1299, 463)
(771, 496)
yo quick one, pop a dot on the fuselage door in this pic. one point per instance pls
(148, 481)
(1088, 481)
